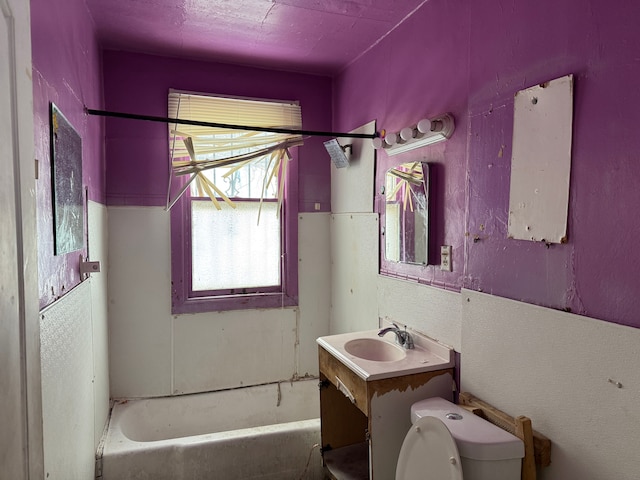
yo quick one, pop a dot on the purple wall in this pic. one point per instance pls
(470, 58)
(137, 151)
(419, 70)
(66, 71)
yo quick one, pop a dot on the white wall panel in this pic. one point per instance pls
(541, 161)
(139, 301)
(555, 368)
(233, 349)
(354, 269)
(432, 311)
(98, 252)
(67, 386)
(314, 274)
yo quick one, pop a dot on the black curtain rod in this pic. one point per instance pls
(133, 116)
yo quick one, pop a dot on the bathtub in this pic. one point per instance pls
(264, 432)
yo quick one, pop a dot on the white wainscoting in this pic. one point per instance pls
(67, 386)
(155, 353)
(557, 369)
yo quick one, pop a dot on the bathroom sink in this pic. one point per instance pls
(374, 349)
(373, 358)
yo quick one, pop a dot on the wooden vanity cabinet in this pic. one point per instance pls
(363, 423)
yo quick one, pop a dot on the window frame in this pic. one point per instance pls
(185, 301)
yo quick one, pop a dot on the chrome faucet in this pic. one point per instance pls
(403, 338)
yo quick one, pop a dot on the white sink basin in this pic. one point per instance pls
(374, 358)
(374, 349)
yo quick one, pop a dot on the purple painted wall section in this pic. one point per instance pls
(470, 58)
(419, 70)
(595, 274)
(66, 71)
(137, 152)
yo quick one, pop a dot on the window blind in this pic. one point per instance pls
(195, 149)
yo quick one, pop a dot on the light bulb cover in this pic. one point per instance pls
(391, 139)
(424, 125)
(407, 133)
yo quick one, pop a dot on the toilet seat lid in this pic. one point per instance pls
(429, 452)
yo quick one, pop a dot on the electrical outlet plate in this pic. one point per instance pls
(445, 258)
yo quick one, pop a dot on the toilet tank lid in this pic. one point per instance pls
(476, 438)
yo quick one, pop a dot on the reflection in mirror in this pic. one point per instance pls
(406, 213)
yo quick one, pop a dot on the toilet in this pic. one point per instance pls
(447, 442)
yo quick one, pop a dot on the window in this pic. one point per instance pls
(233, 216)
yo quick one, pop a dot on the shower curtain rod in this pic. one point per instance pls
(133, 116)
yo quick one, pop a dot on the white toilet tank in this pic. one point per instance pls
(486, 452)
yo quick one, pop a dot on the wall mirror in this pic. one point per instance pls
(407, 213)
(66, 179)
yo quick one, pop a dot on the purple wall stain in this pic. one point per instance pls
(66, 71)
(470, 58)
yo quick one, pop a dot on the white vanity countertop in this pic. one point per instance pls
(428, 355)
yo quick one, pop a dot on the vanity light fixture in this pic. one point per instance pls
(425, 132)
(338, 153)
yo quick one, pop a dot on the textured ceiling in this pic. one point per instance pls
(314, 36)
